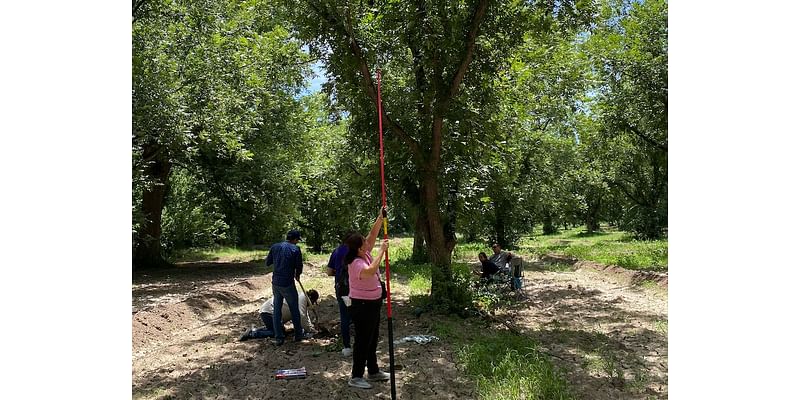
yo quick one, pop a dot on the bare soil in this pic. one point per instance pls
(607, 334)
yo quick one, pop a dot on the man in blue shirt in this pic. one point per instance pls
(288, 262)
(335, 266)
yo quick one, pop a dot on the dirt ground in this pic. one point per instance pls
(607, 335)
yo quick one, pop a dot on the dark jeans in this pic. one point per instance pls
(267, 331)
(290, 294)
(366, 315)
(344, 317)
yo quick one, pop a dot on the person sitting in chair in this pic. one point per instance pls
(499, 258)
(488, 268)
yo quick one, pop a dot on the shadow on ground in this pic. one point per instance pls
(608, 346)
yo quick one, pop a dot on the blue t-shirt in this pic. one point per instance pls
(336, 262)
(288, 262)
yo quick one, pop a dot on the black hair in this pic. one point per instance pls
(353, 242)
(347, 236)
(482, 254)
(313, 295)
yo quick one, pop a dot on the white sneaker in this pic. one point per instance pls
(347, 352)
(359, 383)
(379, 376)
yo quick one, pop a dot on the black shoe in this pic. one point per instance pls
(245, 335)
(279, 342)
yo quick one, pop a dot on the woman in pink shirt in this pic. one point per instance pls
(365, 309)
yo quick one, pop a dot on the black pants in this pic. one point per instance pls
(366, 315)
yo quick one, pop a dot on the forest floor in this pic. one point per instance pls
(605, 332)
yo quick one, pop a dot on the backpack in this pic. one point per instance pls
(342, 286)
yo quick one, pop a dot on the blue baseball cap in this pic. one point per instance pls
(293, 234)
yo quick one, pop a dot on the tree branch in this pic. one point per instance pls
(353, 167)
(477, 17)
(416, 54)
(646, 138)
(346, 29)
(626, 193)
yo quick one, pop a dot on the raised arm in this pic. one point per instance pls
(373, 267)
(373, 233)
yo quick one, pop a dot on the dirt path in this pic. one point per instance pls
(609, 337)
(185, 343)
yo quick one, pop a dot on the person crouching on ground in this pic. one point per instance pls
(365, 309)
(266, 316)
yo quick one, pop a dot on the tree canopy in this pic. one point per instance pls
(500, 117)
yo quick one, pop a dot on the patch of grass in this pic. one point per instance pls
(469, 251)
(605, 363)
(504, 365)
(662, 326)
(639, 382)
(419, 284)
(219, 253)
(315, 258)
(607, 247)
(558, 267)
(648, 284)
(315, 283)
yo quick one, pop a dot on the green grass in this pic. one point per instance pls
(220, 253)
(559, 267)
(662, 326)
(316, 258)
(503, 365)
(608, 247)
(235, 254)
(648, 284)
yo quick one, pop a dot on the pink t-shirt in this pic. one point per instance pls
(363, 288)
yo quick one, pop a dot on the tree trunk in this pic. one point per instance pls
(419, 254)
(592, 212)
(450, 225)
(548, 228)
(441, 274)
(317, 245)
(148, 246)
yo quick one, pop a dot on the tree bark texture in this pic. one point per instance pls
(148, 243)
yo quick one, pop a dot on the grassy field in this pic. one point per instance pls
(607, 247)
(221, 253)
